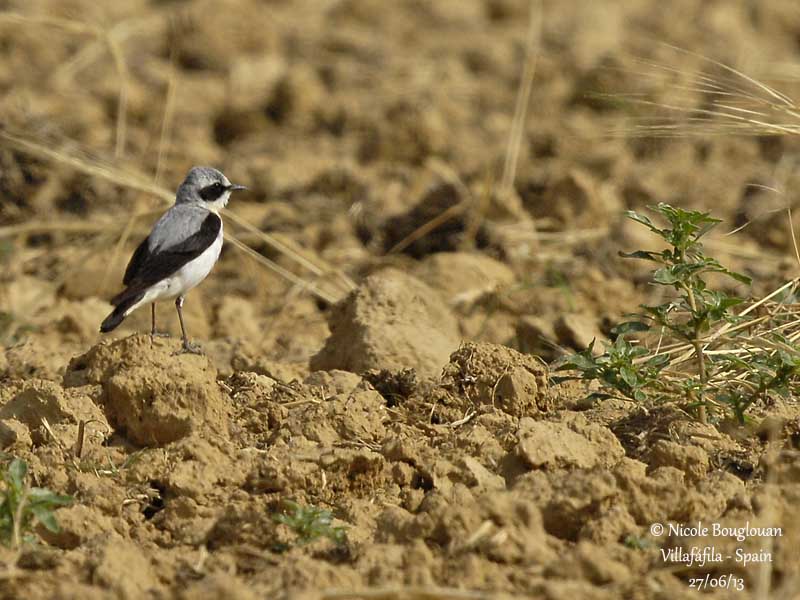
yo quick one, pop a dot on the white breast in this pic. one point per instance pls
(195, 271)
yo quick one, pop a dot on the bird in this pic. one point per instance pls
(179, 253)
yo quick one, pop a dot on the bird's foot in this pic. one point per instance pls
(159, 334)
(188, 348)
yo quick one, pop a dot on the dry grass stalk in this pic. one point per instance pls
(732, 102)
(162, 145)
(427, 227)
(112, 39)
(448, 174)
(121, 66)
(523, 98)
(32, 227)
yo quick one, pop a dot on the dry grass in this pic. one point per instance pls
(722, 100)
(517, 133)
(750, 337)
(163, 142)
(111, 38)
(715, 99)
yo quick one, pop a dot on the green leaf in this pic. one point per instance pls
(658, 361)
(309, 523)
(620, 346)
(665, 276)
(729, 302)
(578, 362)
(640, 218)
(629, 376)
(638, 351)
(741, 278)
(43, 496)
(17, 471)
(708, 224)
(630, 327)
(46, 517)
(643, 255)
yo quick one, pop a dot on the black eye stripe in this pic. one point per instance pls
(212, 192)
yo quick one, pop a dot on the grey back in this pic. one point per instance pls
(177, 224)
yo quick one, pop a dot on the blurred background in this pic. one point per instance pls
(488, 147)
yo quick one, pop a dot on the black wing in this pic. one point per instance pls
(147, 268)
(139, 257)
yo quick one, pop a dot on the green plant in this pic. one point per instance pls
(634, 542)
(736, 358)
(22, 506)
(616, 369)
(310, 523)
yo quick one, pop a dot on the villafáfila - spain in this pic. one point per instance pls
(740, 533)
(700, 556)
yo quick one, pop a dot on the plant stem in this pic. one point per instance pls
(698, 350)
(16, 535)
(16, 538)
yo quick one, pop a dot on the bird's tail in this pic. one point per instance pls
(123, 302)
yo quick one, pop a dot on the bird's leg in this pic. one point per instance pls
(154, 333)
(187, 347)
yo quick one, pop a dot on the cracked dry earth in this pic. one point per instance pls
(417, 407)
(484, 477)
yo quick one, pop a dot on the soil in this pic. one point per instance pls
(415, 404)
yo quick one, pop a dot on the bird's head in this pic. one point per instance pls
(207, 187)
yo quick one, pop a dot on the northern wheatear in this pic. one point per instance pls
(180, 251)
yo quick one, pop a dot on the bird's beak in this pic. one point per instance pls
(235, 188)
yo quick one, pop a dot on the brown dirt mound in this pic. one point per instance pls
(150, 394)
(392, 321)
(490, 374)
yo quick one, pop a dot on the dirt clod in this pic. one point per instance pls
(498, 376)
(41, 402)
(692, 460)
(441, 197)
(463, 277)
(391, 321)
(14, 434)
(582, 445)
(120, 567)
(152, 396)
